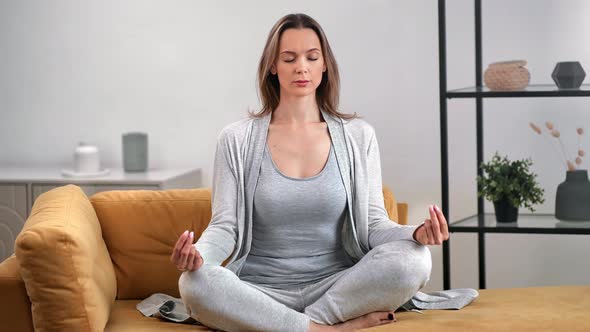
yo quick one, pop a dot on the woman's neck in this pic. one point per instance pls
(297, 111)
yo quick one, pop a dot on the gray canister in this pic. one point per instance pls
(135, 152)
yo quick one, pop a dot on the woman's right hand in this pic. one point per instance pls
(185, 256)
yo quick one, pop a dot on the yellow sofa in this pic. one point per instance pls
(82, 264)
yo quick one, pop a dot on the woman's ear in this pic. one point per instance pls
(273, 70)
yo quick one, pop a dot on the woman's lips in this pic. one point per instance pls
(301, 83)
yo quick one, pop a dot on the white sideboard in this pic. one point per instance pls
(20, 187)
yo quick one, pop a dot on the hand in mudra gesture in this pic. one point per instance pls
(434, 230)
(185, 256)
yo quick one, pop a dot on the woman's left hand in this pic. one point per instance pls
(434, 230)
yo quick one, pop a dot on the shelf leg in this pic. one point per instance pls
(446, 264)
(481, 248)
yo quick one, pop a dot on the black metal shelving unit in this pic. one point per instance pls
(481, 222)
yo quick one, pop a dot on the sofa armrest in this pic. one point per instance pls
(65, 265)
(15, 307)
(402, 213)
(397, 212)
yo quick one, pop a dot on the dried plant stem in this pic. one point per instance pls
(576, 154)
(565, 154)
(557, 150)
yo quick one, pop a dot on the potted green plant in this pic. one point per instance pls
(509, 185)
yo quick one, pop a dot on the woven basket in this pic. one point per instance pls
(507, 75)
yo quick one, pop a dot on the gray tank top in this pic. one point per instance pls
(296, 227)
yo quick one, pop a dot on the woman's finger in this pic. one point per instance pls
(178, 247)
(185, 251)
(195, 263)
(190, 262)
(428, 226)
(198, 262)
(418, 233)
(182, 239)
(435, 225)
(443, 223)
(422, 236)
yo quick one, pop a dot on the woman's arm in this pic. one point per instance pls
(381, 228)
(219, 238)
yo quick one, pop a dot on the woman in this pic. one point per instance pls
(298, 211)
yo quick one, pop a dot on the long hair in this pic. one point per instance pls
(327, 93)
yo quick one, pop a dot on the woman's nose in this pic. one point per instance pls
(301, 66)
(301, 70)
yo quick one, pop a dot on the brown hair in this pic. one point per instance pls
(327, 93)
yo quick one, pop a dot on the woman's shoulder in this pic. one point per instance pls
(235, 130)
(359, 128)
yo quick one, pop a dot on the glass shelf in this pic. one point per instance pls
(533, 90)
(527, 223)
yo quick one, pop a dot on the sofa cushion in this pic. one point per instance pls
(64, 263)
(140, 228)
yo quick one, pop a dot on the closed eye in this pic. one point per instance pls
(310, 59)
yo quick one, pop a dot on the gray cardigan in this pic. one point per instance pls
(238, 156)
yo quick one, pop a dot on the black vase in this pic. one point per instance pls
(505, 212)
(572, 200)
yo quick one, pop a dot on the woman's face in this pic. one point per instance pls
(300, 63)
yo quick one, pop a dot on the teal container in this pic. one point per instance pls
(135, 152)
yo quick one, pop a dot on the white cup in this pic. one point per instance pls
(86, 158)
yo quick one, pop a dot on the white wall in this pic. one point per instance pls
(181, 70)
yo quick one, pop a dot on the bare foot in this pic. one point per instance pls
(371, 319)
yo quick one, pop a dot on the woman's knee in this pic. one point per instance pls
(195, 286)
(422, 264)
(408, 261)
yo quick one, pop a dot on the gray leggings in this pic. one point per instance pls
(384, 279)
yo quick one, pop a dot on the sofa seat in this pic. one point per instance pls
(125, 317)
(558, 308)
